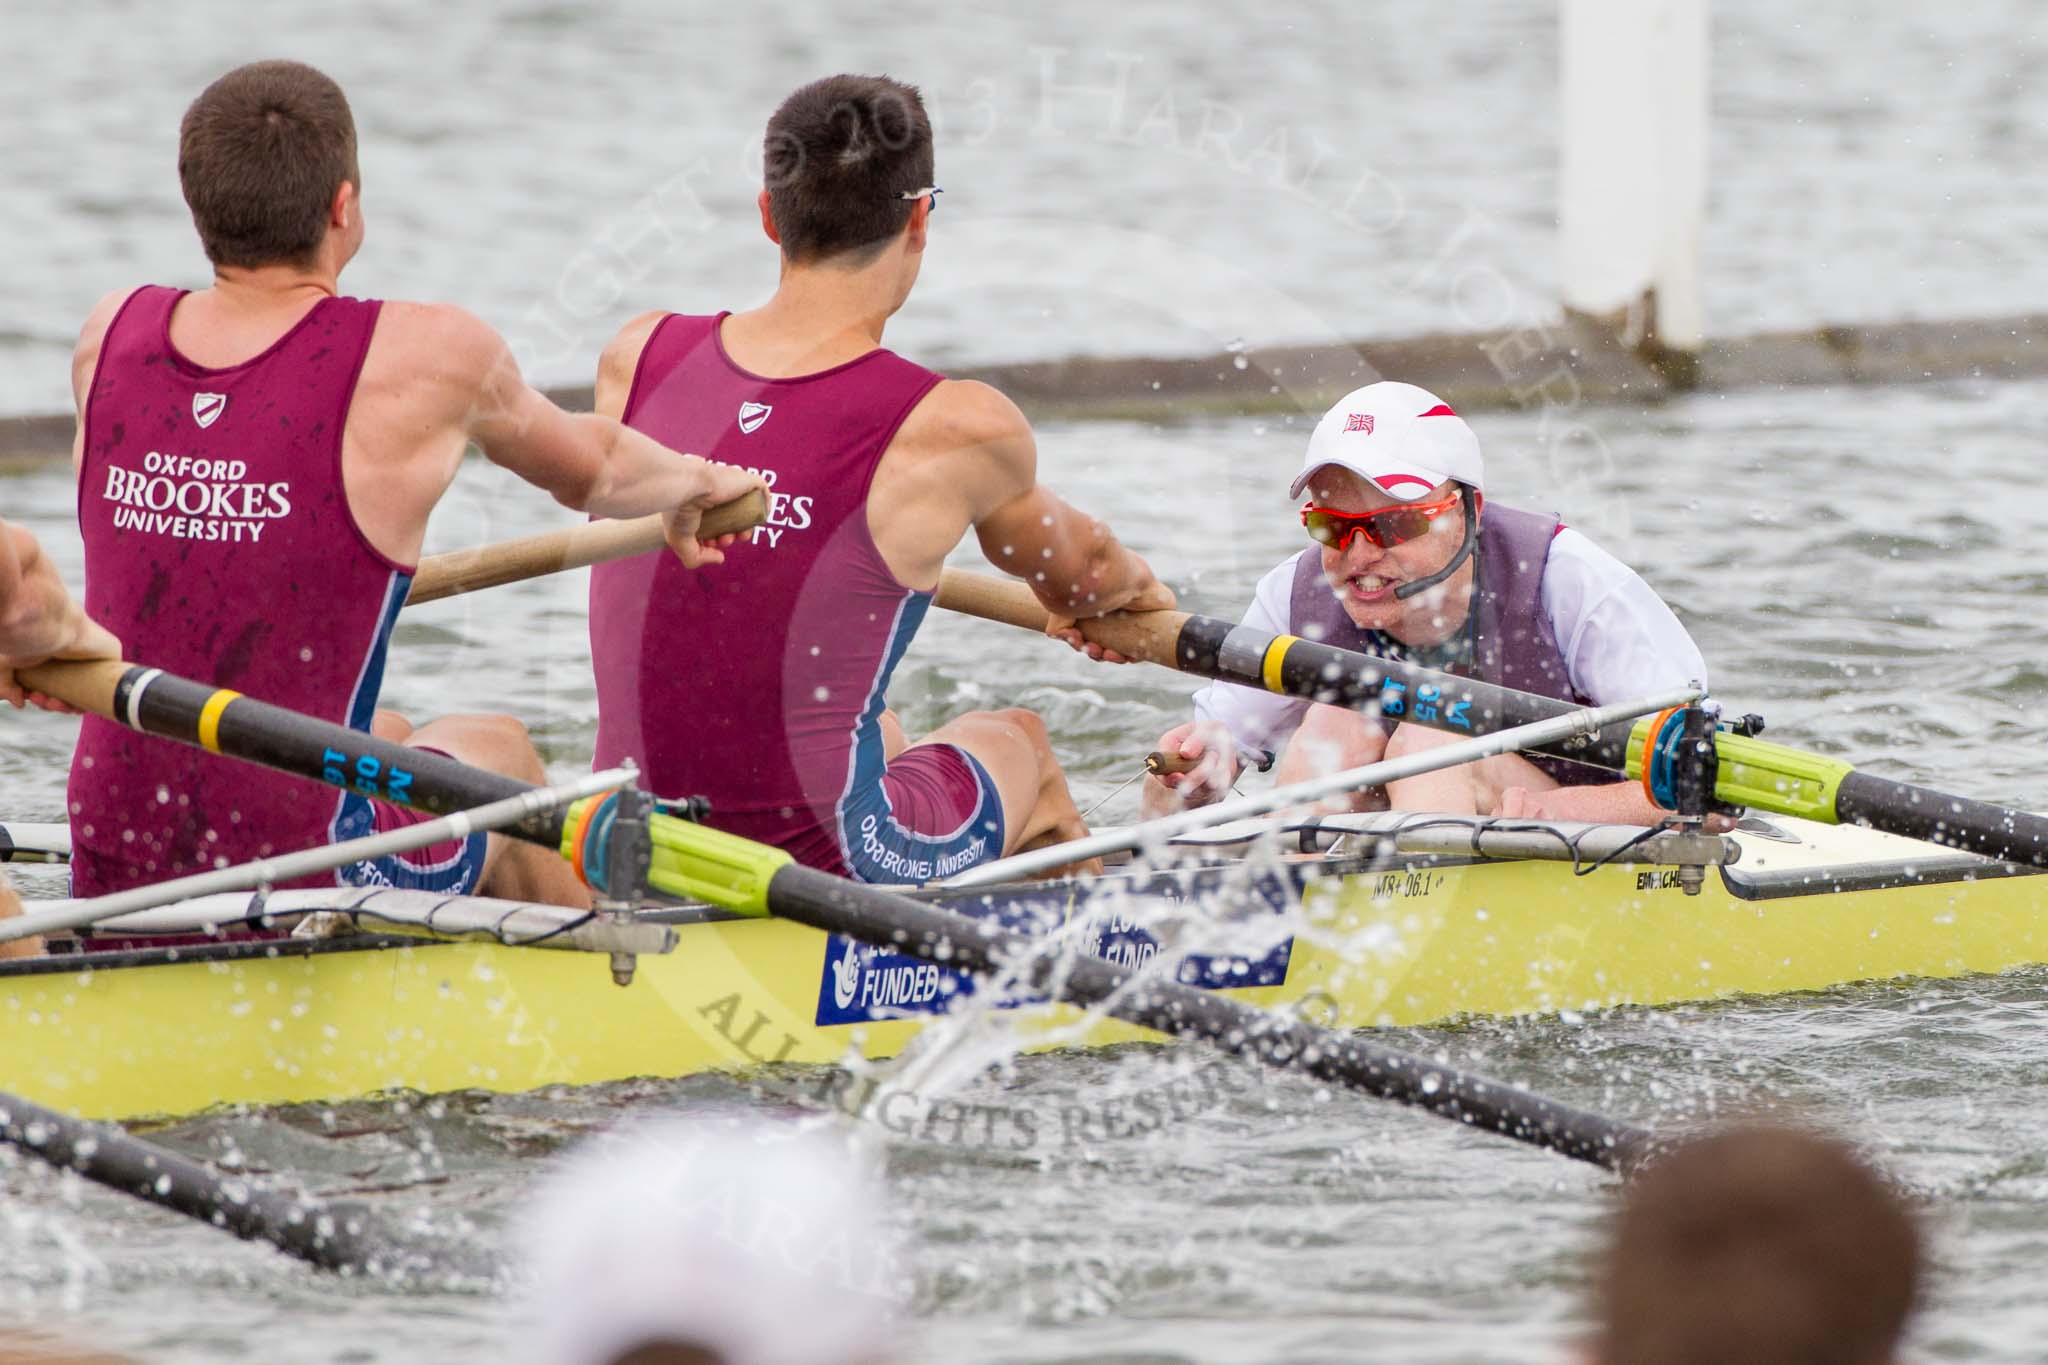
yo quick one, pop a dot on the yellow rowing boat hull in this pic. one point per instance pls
(1421, 942)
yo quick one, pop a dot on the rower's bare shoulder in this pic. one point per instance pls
(622, 353)
(620, 361)
(437, 338)
(91, 336)
(102, 315)
(966, 415)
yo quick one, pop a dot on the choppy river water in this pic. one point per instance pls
(1859, 565)
(1119, 179)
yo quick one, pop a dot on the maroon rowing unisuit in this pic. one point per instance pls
(219, 545)
(759, 683)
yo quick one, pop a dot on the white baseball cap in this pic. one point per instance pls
(1403, 439)
(765, 1243)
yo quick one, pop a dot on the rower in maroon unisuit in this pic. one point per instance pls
(257, 462)
(763, 689)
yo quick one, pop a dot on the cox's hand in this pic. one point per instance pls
(721, 484)
(1201, 785)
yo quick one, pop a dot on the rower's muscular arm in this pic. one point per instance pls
(437, 378)
(85, 361)
(1073, 563)
(38, 619)
(594, 463)
(1613, 803)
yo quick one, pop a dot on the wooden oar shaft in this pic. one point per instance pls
(1149, 636)
(597, 542)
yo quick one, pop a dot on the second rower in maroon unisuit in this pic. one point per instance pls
(763, 689)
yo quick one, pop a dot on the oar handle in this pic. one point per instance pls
(87, 684)
(1150, 636)
(1159, 763)
(510, 561)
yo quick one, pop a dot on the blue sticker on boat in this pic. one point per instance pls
(1117, 938)
(863, 983)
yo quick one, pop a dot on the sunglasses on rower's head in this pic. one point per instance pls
(1386, 528)
(933, 190)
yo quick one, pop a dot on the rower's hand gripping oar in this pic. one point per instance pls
(692, 862)
(1746, 771)
(512, 561)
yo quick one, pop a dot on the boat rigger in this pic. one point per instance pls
(1397, 920)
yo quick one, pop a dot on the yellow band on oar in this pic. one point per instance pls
(209, 718)
(1276, 654)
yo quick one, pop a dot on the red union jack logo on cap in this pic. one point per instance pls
(1358, 421)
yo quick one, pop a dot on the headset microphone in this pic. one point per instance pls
(1471, 542)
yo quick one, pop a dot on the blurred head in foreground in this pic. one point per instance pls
(34, 1351)
(1760, 1245)
(687, 1242)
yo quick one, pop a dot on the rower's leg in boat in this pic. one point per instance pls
(894, 738)
(513, 869)
(1469, 788)
(10, 906)
(390, 725)
(1329, 740)
(1013, 745)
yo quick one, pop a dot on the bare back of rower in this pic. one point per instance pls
(431, 380)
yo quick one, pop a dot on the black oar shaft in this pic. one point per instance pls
(331, 1236)
(1296, 667)
(1206, 647)
(1751, 772)
(1953, 821)
(937, 935)
(224, 722)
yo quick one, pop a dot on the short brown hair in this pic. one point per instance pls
(260, 154)
(839, 155)
(1764, 1245)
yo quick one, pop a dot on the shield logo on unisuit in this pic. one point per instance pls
(753, 414)
(207, 407)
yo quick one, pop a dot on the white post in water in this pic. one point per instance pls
(1632, 184)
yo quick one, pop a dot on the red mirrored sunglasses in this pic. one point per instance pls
(1386, 528)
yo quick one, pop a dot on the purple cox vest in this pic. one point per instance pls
(219, 545)
(759, 683)
(1512, 642)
